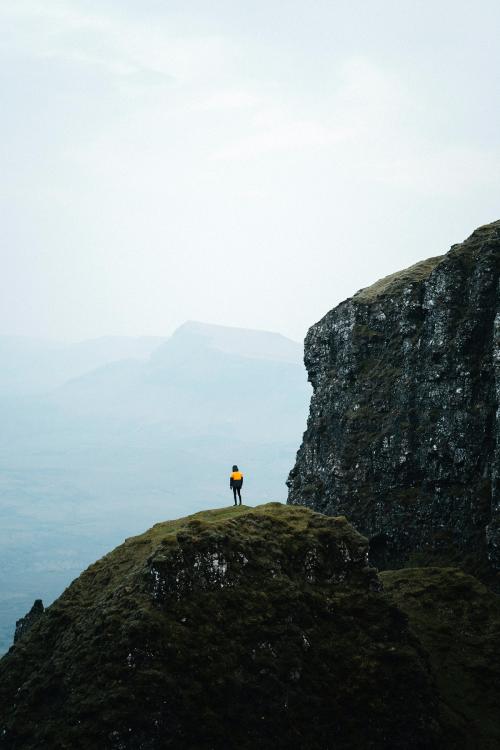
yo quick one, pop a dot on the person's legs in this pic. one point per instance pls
(239, 494)
(234, 493)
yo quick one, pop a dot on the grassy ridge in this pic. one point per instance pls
(395, 281)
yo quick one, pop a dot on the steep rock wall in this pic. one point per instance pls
(402, 435)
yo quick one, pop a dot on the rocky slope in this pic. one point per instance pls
(403, 433)
(233, 628)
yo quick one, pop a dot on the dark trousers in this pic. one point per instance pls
(237, 490)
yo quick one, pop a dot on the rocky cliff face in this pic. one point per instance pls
(403, 432)
(230, 629)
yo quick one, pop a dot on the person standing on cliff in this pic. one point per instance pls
(236, 483)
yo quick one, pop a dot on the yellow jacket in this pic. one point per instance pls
(236, 479)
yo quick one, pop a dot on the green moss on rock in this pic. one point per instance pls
(233, 628)
(393, 283)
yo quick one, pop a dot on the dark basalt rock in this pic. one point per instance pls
(403, 435)
(241, 628)
(24, 624)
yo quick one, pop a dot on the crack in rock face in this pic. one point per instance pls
(402, 435)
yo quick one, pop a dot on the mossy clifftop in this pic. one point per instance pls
(233, 628)
(397, 282)
(393, 283)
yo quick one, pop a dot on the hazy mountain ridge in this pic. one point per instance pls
(218, 377)
(30, 366)
(239, 341)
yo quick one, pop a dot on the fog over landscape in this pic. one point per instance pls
(249, 250)
(246, 165)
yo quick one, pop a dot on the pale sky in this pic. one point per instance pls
(247, 163)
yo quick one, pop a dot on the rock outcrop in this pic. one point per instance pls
(238, 628)
(24, 624)
(403, 433)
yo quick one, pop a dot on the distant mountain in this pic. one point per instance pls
(31, 365)
(204, 380)
(245, 342)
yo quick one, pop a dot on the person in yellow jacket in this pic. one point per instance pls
(236, 483)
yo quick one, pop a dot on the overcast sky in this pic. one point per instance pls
(242, 162)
